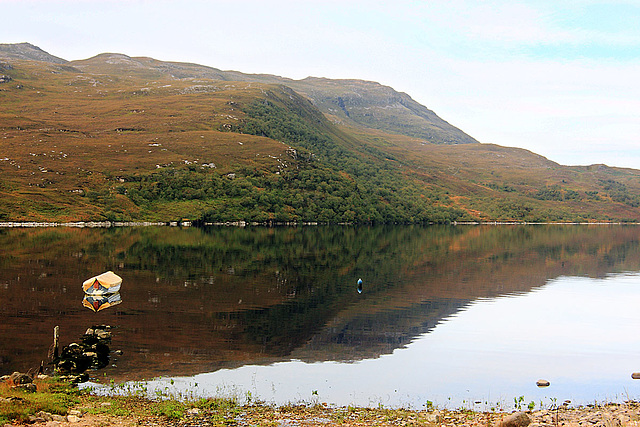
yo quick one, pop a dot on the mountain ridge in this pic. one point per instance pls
(341, 99)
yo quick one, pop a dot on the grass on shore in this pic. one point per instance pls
(52, 396)
(56, 397)
(60, 398)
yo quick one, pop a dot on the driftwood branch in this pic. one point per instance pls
(56, 344)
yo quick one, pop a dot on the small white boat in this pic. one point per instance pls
(105, 283)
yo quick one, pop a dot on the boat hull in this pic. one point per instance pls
(105, 283)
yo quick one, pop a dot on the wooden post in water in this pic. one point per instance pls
(56, 337)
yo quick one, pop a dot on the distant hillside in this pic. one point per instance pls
(360, 102)
(365, 103)
(27, 51)
(120, 138)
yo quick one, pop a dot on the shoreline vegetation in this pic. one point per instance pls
(54, 403)
(110, 224)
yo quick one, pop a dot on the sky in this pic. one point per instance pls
(559, 78)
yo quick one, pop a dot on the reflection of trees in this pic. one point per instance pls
(254, 293)
(314, 270)
(482, 262)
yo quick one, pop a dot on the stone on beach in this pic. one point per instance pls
(20, 381)
(519, 419)
(73, 418)
(18, 378)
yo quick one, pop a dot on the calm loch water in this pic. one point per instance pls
(454, 315)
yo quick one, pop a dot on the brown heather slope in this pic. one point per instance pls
(357, 102)
(75, 136)
(64, 133)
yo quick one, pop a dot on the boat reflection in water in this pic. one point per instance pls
(100, 302)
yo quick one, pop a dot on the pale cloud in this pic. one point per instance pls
(573, 113)
(510, 22)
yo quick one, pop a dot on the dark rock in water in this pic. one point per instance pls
(18, 378)
(81, 378)
(73, 359)
(92, 352)
(519, 419)
(543, 383)
(97, 333)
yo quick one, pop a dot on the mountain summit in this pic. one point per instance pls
(27, 51)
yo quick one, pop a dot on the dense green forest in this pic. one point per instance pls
(329, 183)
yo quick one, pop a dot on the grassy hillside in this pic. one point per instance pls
(357, 102)
(120, 138)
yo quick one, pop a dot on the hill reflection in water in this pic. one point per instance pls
(578, 333)
(198, 300)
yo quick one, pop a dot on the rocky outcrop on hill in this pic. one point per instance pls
(27, 51)
(376, 106)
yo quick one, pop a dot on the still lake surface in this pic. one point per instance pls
(455, 315)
